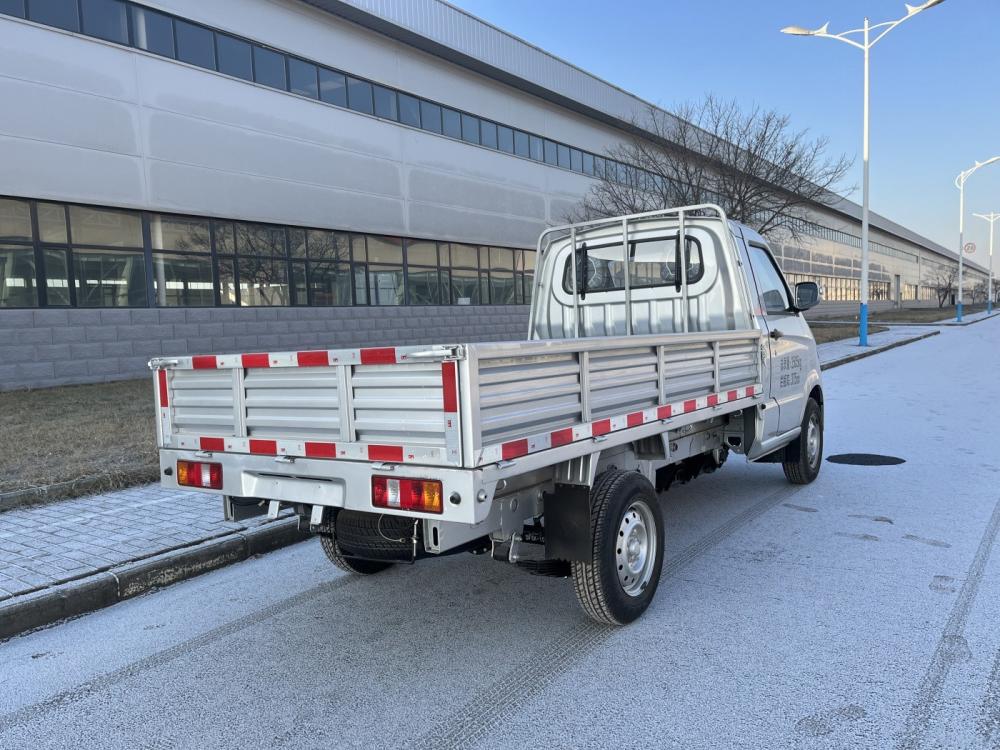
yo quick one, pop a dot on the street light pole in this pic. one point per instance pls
(991, 217)
(865, 46)
(960, 184)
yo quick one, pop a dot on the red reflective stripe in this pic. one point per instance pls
(264, 447)
(321, 450)
(635, 419)
(601, 428)
(312, 359)
(385, 453)
(514, 448)
(161, 379)
(212, 443)
(751, 390)
(663, 412)
(690, 405)
(204, 362)
(450, 386)
(382, 356)
(255, 360)
(562, 437)
(733, 395)
(713, 400)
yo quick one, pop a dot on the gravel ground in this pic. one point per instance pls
(859, 611)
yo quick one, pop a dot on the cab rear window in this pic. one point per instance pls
(652, 263)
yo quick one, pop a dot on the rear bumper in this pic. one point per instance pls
(333, 483)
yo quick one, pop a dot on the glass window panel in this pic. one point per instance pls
(235, 56)
(263, 282)
(444, 254)
(12, 7)
(15, 220)
(489, 133)
(178, 233)
(522, 144)
(451, 123)
(424, 285)
(332, 87)
(599, 167)
(59, 13)
(195, 44)
(421, 253)
(575, 160)
(551, 155)
(260, 240)
(505, 139)
(297, 242)
(17, 277)
(269, 68)
(529, 281)
(470, 128)
(464, 255)
(502, 288)
(105, 19)
(300, 294)
(769, 281)
(484, 258)
(536, 147)
(386, 284)
(518, 288)
(564, 158)
(330, 283)
(529, 260)
(385, 103)
(430, 117)
(152, 31)
(358, 249)
(52, 222)
(109, 279)
(56, 276)
(409, 110)
(183, 280)
(227, 282)
(94, 226)
(359, 95)
(484, 288)
(303, 78)
(324, 245)
(385, 250)
(360, 285)
(654, 265)
(501, 258)
(225, 241)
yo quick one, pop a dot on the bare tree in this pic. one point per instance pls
(979, 292)
(942, 281)
(761, 171)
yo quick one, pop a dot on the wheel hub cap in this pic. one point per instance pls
(635, 550)
(812, 440)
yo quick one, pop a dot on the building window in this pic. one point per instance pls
(105, 19)
(385, 271)
(489, 133)
(195, 44)
(332, 87)
(269, 68)
(430, 116)
(17, 276)
(409, 110)
(385, 103)
(359, 95)
(235, 57)
(63, 14)
(464, 273)
(94, 226)
(505, 139)
(422, 278)
(12, 7)
(470, 129)
(303, 78)
(152, 31)
(106, 278)
(57, 283)
(451, 123)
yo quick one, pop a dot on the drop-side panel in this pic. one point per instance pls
(202, 402)
(401, 403)
(293, 403)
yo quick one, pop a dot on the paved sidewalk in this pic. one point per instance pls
(45, 545)
(835, 351)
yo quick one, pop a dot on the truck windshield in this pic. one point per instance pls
(652, 263)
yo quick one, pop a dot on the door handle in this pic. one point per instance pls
(776, 334)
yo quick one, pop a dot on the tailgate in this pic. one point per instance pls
(395, 404)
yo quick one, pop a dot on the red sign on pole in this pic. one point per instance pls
(970, 248)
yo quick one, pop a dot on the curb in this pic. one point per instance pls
(128, 580)
(902, 324)
(51, 493)
(873, 352)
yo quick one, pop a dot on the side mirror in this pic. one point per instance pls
(806, 295)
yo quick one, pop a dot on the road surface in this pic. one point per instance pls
(860, 611)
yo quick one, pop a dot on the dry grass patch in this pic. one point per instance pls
(827, 333)
(99, 436)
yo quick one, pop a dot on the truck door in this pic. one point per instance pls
(788, 335)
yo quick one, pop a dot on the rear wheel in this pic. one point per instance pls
(804, 456)
(626, 527)
(350, 564)
(368, 543)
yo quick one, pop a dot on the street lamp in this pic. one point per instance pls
(991, 217)
(960, 184)
(865, 45)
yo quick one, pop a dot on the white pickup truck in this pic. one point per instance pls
(640, 369)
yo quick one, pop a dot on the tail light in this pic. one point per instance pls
(423, 495)
(199, 474)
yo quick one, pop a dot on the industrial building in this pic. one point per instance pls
(247, 175)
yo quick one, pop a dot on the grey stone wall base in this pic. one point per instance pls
(45, 607)
(876, 350)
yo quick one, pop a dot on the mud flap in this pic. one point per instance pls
(567, 523)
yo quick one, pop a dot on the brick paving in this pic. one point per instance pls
(45, 545)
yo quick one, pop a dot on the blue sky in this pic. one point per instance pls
(935, 82)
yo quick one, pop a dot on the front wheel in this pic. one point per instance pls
(804, 455)
(626, 528)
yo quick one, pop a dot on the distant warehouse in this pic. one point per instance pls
(301, 174)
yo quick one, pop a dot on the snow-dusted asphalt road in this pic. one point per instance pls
(860, 611)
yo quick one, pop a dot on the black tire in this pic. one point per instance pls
(599, 589)
(804, 455)
(368, 543)
(350, 564)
